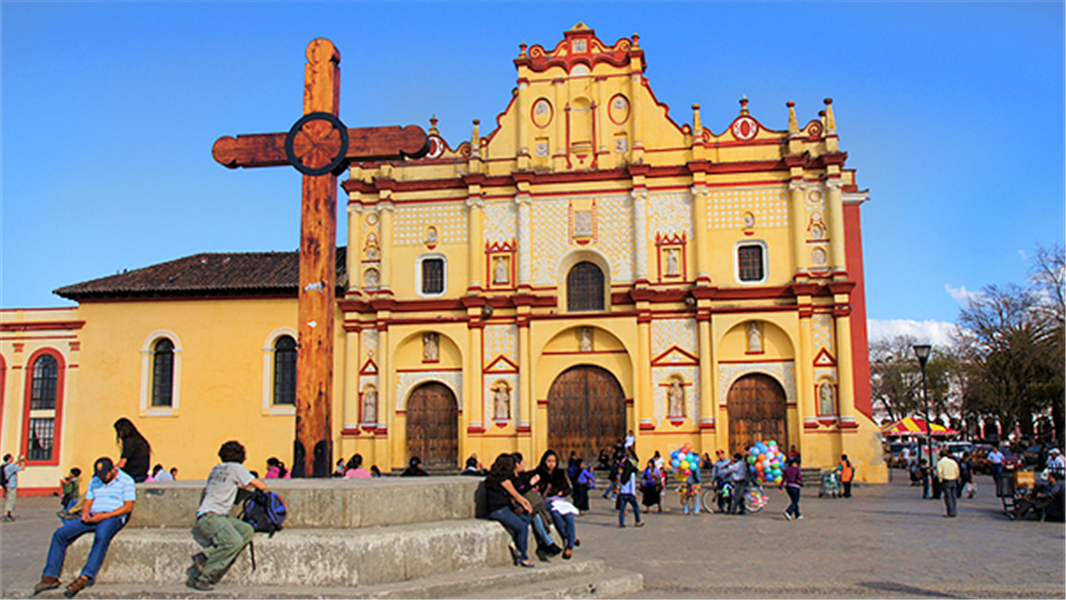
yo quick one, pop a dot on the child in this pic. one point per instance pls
(585, 481)
(276, 469)
(71, 489)
(690, 492)
(627, 492)
(228, 535)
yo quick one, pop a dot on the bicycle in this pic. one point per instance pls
(755, 498)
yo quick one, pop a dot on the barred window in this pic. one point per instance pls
(584, 288)
(41, 439)
(43, 392)
(285, 371)
(750, 266)
(432, 275)
(163, 374)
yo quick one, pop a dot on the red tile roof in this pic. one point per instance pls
(206, 274)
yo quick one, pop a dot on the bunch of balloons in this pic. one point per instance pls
(767, 461)
(684, 461)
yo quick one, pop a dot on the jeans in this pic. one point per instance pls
(950, 499)
(740, 489)
(623, 500)
(566, 527)
(71, 530)
(517, 526)
(541, 532)
(925, 487)
(794, 495)
(847, 489)
(228, 536)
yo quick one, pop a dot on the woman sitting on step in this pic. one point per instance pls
(508, 507)
(554, 485)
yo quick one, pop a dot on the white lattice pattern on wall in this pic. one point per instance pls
(682, 333)
(405, 382)
(783, 372)
(500, 218)
(370, 343)
(670, 214)
(501, 340)
(822, 333)
(768, 205)
(411, 222)
(615, 235)
(550, 231)
(489, 396)
(661, 405)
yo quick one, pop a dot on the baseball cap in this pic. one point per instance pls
(102, 467)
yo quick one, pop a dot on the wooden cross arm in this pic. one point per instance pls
(364, 144)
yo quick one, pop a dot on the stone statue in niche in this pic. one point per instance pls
(431, 235)
(671, 262)
(500, 271)
(582, 222)
(371, 278)
(370, 405)
(749, 220)
(584, 339)
(675, 397)
(372, 248)
(501, 401)
(826, 399)
(430, 347)
(754, 337)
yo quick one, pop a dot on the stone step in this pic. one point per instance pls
(298, 557)
(559, 579)
(324, 503)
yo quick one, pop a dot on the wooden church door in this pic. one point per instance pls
(433, 426)
(758, 411)
(586, 412)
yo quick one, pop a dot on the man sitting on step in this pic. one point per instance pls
(228, 535)
(108, 503)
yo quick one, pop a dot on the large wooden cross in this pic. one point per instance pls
(320, 147)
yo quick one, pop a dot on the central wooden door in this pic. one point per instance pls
(433, 426)
(758, 412)
(586, 412)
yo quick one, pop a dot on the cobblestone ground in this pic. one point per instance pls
(883, 542)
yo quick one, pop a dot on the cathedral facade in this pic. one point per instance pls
(587, 268)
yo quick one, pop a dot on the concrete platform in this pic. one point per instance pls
(299, 557)
(325, 503)
(569, 579)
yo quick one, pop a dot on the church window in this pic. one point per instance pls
(584, 288)
(432, 274)
(44, 399)
(163, 374)
(751, 263)
(43, 391)
(285, 371)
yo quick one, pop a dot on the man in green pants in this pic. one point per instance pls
(228, 535)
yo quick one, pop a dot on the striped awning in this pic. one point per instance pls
(912, 426)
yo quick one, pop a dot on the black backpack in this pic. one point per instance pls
(264, 511)
(3, 476)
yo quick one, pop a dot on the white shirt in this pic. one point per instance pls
(630, 440)
(995, 457)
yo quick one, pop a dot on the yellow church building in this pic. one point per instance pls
(588, 268)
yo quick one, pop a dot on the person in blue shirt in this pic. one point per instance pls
(108, 503)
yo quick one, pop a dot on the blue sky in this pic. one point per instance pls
(952, 114)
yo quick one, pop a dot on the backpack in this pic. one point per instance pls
(264, 511)
(3, 476)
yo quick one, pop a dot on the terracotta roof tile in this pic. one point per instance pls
(205, 274)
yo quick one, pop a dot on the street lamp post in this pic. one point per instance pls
(922, 352)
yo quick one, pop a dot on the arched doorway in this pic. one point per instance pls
(586, 412)
(433, 426)
(758, 411)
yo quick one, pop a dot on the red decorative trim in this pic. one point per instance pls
(533, 116)
(540, 60)
(743, 362)
(523, 428)
(369, 367)
(809, 425)
(676, 421)
(629, 109)
(647, 427)
(578, 352)
(433, 370)
(18, 346)
(707, 426)
(628, 401)
(543, 402)
(349, 432)
(824, 359)
(474, 430)
(57, 432)
(35, 492)
(42, 325)
(658, 360)
(492, 366)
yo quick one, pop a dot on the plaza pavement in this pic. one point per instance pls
(884, 542)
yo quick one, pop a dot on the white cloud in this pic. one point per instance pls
(961, 294)
(936, 333)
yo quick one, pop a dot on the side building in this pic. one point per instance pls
(588, 268)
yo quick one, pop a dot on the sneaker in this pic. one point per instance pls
(66, 515)
(788, 516)
(639, 524)
(47, 582)
(199, 559)
(799, 518)
(77, 585)
(199, 584)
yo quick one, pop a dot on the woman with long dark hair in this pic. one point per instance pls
(507, 507)
(554, 485)
(136, 451)
(276, 469)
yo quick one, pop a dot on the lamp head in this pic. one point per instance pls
(922, 351)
